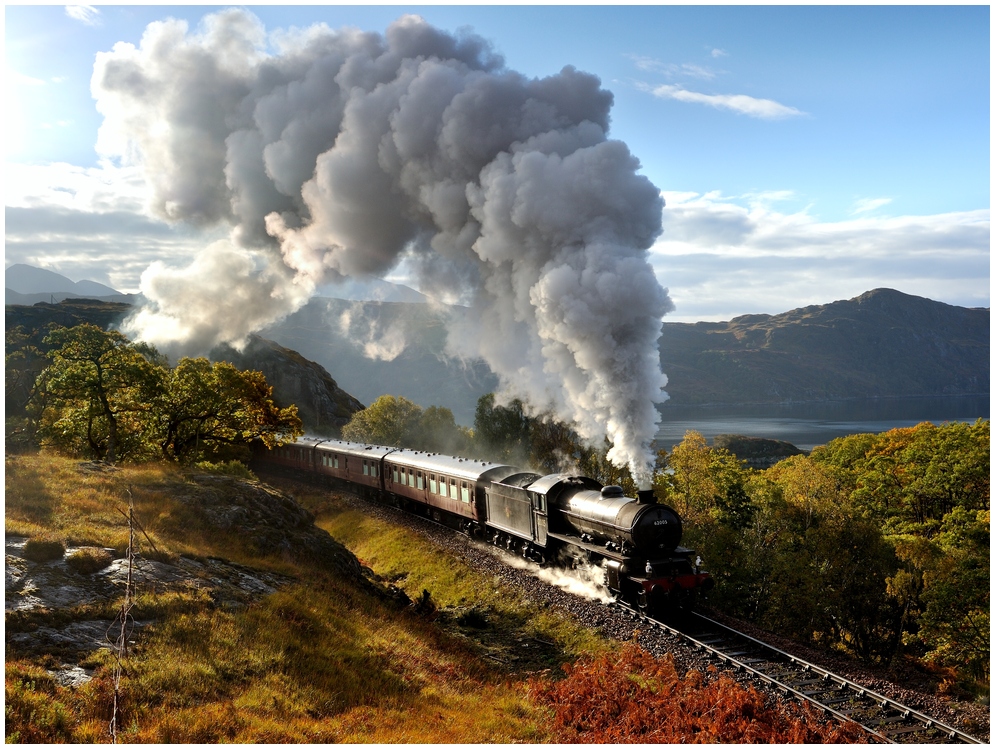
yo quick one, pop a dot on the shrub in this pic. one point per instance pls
(89, 559)
(44, 548)
(231, 468)
(634, 697)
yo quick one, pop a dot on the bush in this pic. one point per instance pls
(634, 697)
(231, 468)
(89, 559)
(44, 548)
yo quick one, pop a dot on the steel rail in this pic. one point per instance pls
(841, 685)
(861, 691)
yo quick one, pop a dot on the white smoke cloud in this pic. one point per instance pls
(342, 153)
(377, 341)
(225, 294)
(586, 580)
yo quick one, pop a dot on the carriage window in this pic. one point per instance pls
(433, 485)
(465, 493)
(421, 481)
(375, 469)
(335, 462)
(453, 493)
(442, 486)
(366, 468)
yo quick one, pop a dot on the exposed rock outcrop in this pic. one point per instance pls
(323, 406)
(52, 608)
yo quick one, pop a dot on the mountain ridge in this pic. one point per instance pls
(881, 344)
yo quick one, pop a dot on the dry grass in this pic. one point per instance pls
(323, 659)
(319, 661)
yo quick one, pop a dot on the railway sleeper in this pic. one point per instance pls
(835, 700)
(886, 720)
(904, 729)
(806, 683)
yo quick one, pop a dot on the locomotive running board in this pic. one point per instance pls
(594, 548)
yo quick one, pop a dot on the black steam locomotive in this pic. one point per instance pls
(557, 518)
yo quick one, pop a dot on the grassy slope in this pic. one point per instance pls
(325, 659)
(321, 660)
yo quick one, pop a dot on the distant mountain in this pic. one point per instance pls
(882, 343)
(371, 290)
(26, 279)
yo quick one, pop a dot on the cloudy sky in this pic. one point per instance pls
(805, 154)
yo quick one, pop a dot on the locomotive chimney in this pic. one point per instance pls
(646, 497)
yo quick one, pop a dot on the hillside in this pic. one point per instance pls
(322, 405)
(253, 625)
(880, 344)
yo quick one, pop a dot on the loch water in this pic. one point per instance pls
(807, 425)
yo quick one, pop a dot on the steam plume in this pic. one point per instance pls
(340, 153)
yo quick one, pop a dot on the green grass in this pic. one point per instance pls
(414, 564)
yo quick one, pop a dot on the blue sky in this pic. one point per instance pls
(806, 154)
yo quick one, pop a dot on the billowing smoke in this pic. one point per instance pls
(337, 154)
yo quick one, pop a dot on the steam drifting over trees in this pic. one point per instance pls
(342, 153)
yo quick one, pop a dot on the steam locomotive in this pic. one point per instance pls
(558, 518)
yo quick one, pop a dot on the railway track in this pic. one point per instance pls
(884, 719)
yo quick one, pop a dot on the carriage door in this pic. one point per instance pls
(539, 520)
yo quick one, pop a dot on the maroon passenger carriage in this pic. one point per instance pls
(556, 518)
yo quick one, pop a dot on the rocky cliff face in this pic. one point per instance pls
(323, 406)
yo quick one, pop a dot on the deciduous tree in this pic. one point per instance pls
(97, 392)
(205, 409)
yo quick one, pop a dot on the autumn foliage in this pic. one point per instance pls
(632, 697)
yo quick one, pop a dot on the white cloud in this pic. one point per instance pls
(15, 78)
(84, 14)
(89, 223)
(765, 109)
(101, 189)
(721, 259)
(671, 69)
(865, 205)
(719, 53)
